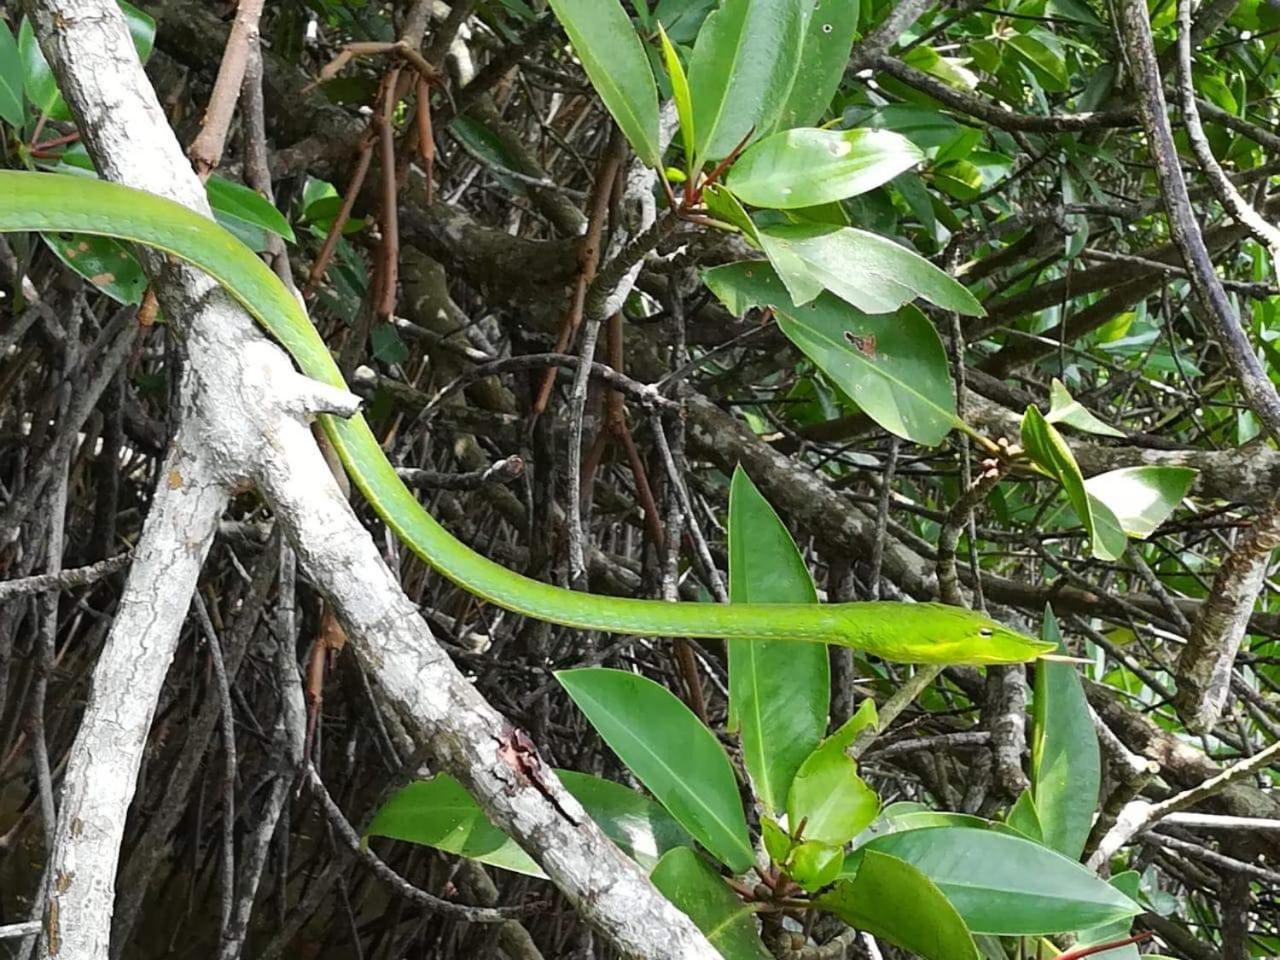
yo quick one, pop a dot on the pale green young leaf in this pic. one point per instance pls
(814, 864)
(1024, 817)
(1064, 408)
(669, 750)
(614, 59)
(680, 94)
(893, 900)
(809, 166)
(741, 71)
(829, 797)
(779, 692)
(699, 892)
(1141, 498)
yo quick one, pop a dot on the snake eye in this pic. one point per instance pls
(985, 632)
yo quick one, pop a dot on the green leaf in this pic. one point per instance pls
(1003, 884)
(807, 166)
(741, 71)
(1141, 498)
(142, 29)
(1024, 817)
(864, 717)
(814, 864)
(615, 62)
(669, 750)
(1040, 51)
(869, 271)
(723, 205)
(440, 813)
(730, 925)
(904, 815)
(1046, 447)
(243, 211)
(894, 367)
(106, 263)
(680, 94)
(777, 843)
(824, 53)
(829, 797)
(1128, 883)
(779, 693)
(893, 900)
(1066, 767)
(1064, 408)
(11, 97)
(37, 78)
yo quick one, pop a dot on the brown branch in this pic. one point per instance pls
(206, 150)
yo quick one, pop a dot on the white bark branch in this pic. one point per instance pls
(244, 402)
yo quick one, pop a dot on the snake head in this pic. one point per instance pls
(938, 633)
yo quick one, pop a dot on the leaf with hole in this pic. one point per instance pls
(670, 751)
(824, 53)
(779, 692)
(614, 59)
(806, 166)
(742, 68)
(893, 367)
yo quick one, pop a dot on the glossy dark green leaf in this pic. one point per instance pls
(440, 813)
(1064, 408)
(1004, 884)
(869, 271)
(614, 59)
(778, 693)
(1047, 449)
(824, 55)
(1141, 498)
(808, 166)
(742, 68)
(669, 750)
(1066, 766)
(106, 263)
(12, 110)
(688, 882)
(142, 29)
(893, 900)
(894, 367)
(37, 79)
(244, 211)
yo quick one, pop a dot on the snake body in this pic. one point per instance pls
(905, 632)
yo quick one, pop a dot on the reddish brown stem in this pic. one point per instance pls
(325, 256)
(1080, 952)
(390, 210)
(426, 138)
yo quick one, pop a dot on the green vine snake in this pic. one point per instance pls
(905, 632)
